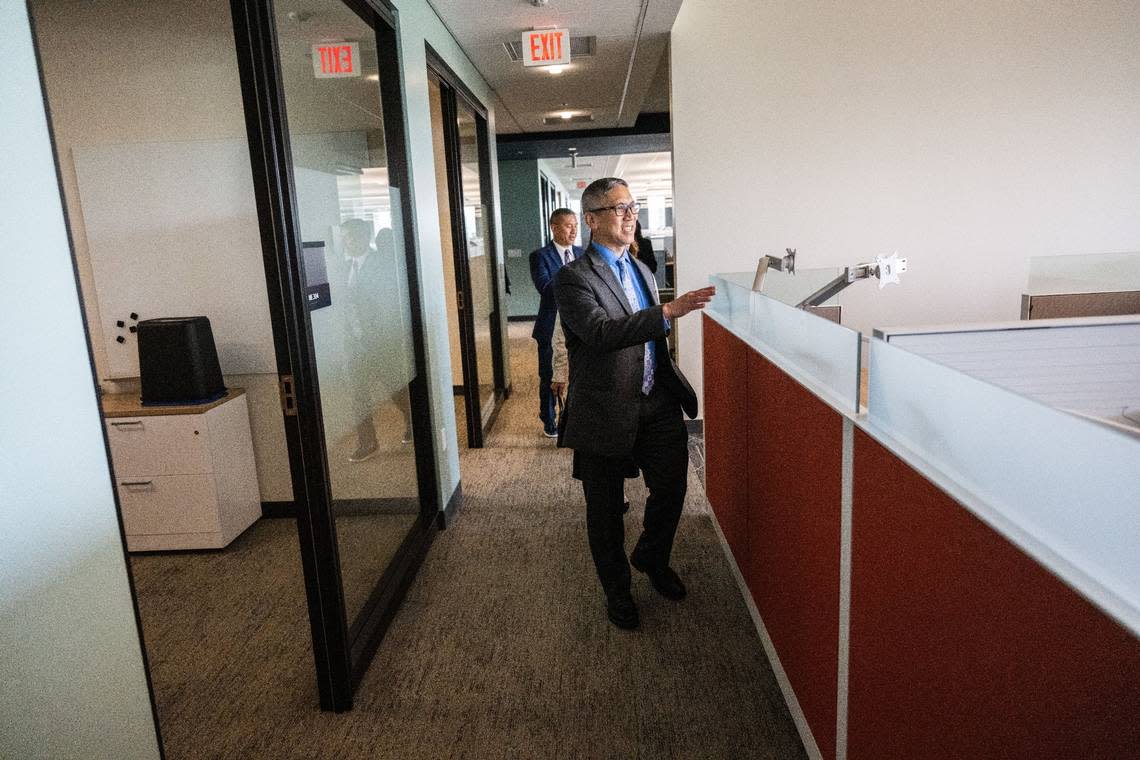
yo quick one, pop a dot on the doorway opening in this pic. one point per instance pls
(467, 240)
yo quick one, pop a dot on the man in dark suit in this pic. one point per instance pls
(377, 334)
(625, 398)
(544, 264)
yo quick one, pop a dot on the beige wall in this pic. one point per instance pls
(967, 137)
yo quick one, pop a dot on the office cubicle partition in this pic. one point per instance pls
(776, 424)
(1092, 285)
(951, 574)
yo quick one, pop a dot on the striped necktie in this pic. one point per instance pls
(624, 266)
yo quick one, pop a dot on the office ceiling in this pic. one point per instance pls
(647, 173)
(626, 75)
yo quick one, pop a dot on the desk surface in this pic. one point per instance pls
(130, 405)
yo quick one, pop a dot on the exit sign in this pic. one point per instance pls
(336, 59)
(546, 47)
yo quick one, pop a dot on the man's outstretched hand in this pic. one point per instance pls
(694, 299)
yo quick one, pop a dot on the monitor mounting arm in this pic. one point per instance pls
(885, 268)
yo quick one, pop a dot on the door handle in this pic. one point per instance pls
(288, 395)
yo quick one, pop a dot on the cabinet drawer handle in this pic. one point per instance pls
(136, 482)
(126, 423)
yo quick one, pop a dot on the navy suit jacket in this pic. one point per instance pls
(544, 264)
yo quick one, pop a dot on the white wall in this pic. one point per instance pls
(151, 72)
(419, 24)
(168, 71)
(72, 679)
(968, 137)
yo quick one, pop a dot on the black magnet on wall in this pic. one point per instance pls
(134, 328)
(121, 339)
(134, 316)
(120, 323)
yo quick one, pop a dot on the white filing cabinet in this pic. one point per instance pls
(185, 474)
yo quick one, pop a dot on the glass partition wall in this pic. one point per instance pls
(322, 107)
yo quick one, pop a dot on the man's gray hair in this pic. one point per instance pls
(595, 194)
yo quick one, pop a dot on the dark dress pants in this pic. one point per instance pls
(661, 451)
(545, 376)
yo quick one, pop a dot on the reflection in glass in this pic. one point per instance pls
(362, 335)
(478, 256)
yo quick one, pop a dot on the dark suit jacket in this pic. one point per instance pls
(604, 340)
(544, 264)
(377, 337)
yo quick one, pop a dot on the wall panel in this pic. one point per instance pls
(726, 434)
(795, 445)
(963, 646)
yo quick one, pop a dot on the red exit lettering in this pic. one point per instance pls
(337, 59)
(546, 46)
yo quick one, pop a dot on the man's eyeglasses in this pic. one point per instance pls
(621, 209)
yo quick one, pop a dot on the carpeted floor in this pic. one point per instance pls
(501, 649)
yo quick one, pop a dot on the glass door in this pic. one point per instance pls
(480, 257)
(331, 178)
(465, 208)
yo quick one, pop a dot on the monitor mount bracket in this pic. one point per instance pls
(785, 263)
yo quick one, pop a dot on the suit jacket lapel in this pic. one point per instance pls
(552, 253)
(602, 269)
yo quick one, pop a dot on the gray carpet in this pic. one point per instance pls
(501, 649)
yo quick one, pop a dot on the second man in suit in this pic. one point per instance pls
(544, 265)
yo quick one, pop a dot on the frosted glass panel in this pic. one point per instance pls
(820, 354)
(791, 289)
(1092, 273)
(1064, 488)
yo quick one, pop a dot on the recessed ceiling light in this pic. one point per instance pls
(373, 77)
(555, 69)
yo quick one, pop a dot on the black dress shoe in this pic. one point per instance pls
(667, 583)
(621, 610)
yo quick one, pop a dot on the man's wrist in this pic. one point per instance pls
(665, 311)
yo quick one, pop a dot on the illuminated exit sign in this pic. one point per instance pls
(336, 59)
(546, 47)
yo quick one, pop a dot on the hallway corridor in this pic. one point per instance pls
(502, 648)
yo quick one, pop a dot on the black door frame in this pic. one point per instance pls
(452, 92)
(342, 650)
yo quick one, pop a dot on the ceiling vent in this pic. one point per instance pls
(580, 47)
(582, 118)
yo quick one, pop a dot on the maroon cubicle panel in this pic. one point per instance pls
(726, 433)
(962, 646)
(795, 450)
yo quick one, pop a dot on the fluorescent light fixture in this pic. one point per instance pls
(566, 115)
